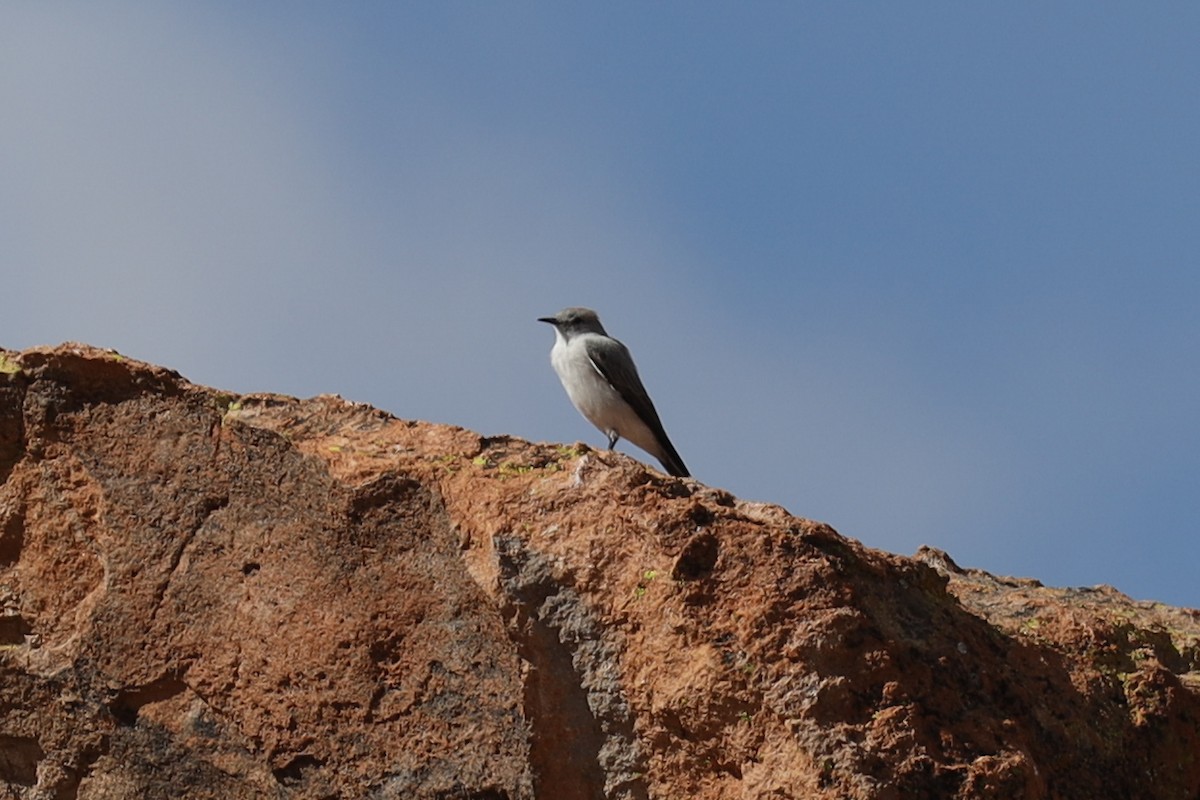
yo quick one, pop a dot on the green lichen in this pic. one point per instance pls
(449, 462)
(510, 470)
(226, 403)
(9, 366)
(648, 577)
(566, 451)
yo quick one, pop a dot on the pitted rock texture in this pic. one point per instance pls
(212, 596)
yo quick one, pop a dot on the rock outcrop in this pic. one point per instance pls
(211, 596)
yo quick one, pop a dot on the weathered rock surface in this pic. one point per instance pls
(209, 596)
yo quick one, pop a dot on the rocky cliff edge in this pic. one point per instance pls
(205, 595)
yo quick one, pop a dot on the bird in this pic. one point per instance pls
(600, 378)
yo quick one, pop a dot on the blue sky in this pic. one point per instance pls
(928, 273)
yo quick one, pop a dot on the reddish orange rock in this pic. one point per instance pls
(211, 596)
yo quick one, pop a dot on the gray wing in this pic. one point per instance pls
(613, 361)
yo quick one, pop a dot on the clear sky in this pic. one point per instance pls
(927, 272)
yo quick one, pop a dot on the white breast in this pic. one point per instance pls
(594, 396)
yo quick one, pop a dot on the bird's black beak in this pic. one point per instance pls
(551, 320)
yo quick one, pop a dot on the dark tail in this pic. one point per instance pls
(670, 459)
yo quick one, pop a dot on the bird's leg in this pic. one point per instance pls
(613, 436)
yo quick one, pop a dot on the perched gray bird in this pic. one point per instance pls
(601, 380)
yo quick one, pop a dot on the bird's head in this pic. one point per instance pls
(575, 320)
